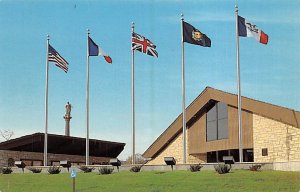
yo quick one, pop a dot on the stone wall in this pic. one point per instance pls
(174, 149)
(37, 158)
(281, 141)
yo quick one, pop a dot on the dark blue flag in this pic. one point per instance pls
(194, 36)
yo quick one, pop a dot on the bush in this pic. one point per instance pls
(35, 170)
(105, 170)
(222, 168)
(6, 170)
(135, 169)
(255, 167)
(86, 169)
(54, 170)
(195, 168)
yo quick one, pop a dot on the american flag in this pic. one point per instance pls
(144, 45)
(54, 56)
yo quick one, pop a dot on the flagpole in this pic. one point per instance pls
(87, 100)
(183, 95)
(133, 106)
(46, 106)
(239, 86)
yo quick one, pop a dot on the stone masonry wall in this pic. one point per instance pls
(175, 149)
(38, 157)
(282, 141)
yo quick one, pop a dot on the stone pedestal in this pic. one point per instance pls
(67, 125)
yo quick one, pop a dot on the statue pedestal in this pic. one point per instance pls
(67, 125)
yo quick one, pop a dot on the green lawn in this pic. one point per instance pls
(151, 181)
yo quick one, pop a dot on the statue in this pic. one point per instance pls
(68, 109)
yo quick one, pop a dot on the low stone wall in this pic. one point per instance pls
(206, 166)
(284, 166)
(287, 166)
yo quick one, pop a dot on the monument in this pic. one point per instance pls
(67, 118)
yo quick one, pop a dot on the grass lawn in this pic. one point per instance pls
(153, 181)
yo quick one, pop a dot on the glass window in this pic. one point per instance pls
(211, 157)
(222, 110)
(222, 128)
(211, 131)
(211, 124)
(217, 122)
(222, 121)
(221, 154)
(212, 114)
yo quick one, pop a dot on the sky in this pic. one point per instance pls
(269, 73)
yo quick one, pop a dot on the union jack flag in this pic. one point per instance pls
(143, 44)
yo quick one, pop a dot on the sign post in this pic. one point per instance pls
(73, 176)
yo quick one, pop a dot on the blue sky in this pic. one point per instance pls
(269, 73)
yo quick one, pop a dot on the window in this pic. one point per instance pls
(217, 122)
(264, 152)
(211, 157)
(217, 156)
(211, 124)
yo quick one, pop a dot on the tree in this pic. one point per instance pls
(6, 134)
(139, 159)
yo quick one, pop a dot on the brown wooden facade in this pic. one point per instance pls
(196, 123)
(197, 134)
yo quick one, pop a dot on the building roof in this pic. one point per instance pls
(60, 144)
(205, 99)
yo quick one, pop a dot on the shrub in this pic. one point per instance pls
(35, 170)
(255, 167)
(54, 170)
(6, 170)
(195, 168)
(86, 169)
(135, 169)
(222, 168)
(105, 170)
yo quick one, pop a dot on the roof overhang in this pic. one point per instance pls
(60, 144)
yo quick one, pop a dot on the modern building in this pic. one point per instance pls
(270, 133)
(30, 148)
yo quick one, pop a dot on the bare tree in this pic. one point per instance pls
(139, 159)
(6, 134)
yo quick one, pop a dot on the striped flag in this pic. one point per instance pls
(54, 56)
(248, 29)
(95, 50)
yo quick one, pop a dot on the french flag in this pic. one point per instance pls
(248, 29)
(95, 50)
